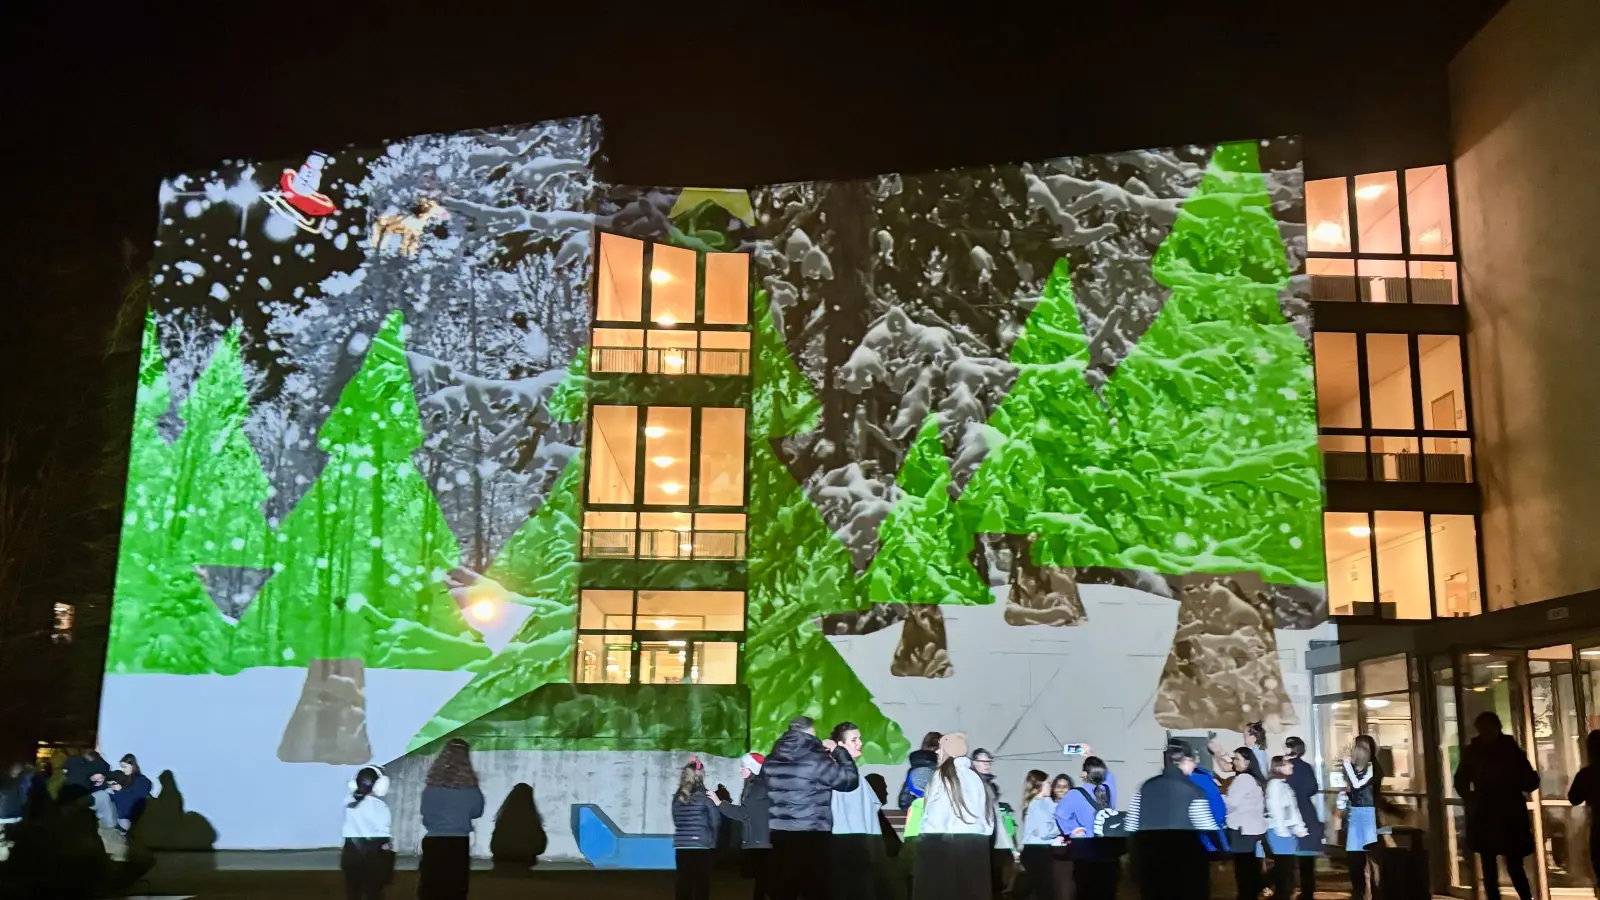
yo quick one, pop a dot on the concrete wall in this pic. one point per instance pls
(1525, 95)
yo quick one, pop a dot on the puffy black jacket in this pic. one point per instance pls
(922, 765)
(755, 811)
(801, 778)
(694, 823)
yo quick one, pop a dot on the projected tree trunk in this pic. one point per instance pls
(360, 562)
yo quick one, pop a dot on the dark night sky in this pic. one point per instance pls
(100, 105)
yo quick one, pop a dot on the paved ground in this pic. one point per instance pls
(314, 876)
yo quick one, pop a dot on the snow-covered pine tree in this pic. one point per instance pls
(359, 566)
(162, 620)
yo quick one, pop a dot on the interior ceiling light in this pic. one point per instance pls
(1370, 191)
(1375, 703)
(654, 431)
(668, 321)
(666, 623)
(663, 461)
(1360, 531)
(662, 276)
(671, 487)
(1328, 233)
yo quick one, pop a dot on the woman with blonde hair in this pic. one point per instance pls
(958, 829)
(450, 802)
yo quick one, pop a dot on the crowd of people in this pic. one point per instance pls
(65, 823)
(812, 826)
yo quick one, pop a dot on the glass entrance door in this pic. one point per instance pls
(1557, 713)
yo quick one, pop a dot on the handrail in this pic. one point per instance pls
(668, 360)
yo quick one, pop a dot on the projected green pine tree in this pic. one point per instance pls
(798, 571)
(923, 552)
(1221, 392)
(196, 501)
(1052, 468)
(1202, 455)
(359, 561)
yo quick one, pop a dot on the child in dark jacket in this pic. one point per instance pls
(754, 812)
(694, 832)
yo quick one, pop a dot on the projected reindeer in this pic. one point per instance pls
(408, 227)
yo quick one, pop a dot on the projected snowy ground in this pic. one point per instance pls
(1072, 398)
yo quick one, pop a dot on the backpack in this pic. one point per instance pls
(1108, 822)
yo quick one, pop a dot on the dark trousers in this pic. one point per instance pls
(365, 867)
(802, 865)
(1514, 868)
(757, 863)
(1246, 875)
(1039, 867)
(442, 871)
(1355, 862)
(1171, 865)
(694, 874)
(1096, 879)
(1283, 875)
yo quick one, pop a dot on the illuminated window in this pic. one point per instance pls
(659, 637)
(691, 310)
(1399, 250)
(1403, 584)
(61, 630)
(666, 482)
(1384, 417)
(1428, 211)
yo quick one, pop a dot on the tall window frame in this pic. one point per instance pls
(691, 642)
(1376, 274)
(1365, 452)
(1433, 556)
(658, 345)
(706, 530)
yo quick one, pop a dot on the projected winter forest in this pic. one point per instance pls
(1007, 430)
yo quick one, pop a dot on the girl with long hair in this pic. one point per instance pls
(1363, 781)
(131, 792)
(367, 859)
(451, 801)
(694, 832)
(1039, 835)
(1246, 821)
(958, 827)
(1285, 826)
(1096, 861)
(1060, 787)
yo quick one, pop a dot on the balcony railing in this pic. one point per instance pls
(1436, 468)
(669, 361)
(1382, 289)
(651, 544)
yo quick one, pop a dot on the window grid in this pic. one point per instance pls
(637, 637)
(1375, 574)
(698, 360)
(1430, 466)
(1407, 285)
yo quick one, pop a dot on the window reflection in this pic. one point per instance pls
(1428, 210)
(1402, 565)
(1348, 539)
(1327, 216)
(1455, 565)
(619, 285)
(722, 457)
(1377, 213)
(614, 451)
(1389, 381)
(1338, 380)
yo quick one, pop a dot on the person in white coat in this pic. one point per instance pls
(958, 829)
(1285, 826)
(368, 856)
(1040, 835)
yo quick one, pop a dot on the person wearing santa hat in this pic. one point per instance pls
(754, 812)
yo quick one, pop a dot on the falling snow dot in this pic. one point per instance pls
(237, 543)
(1283, 527)
(1295, 542)
(218, 291)
(375, 542)
(322, 562)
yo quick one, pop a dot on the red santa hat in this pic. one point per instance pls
(753, 762)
